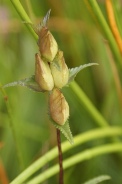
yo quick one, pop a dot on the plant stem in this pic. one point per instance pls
(24, 16)
(3, 174)
(99, 119)
(113, 24)
(94, 7)
(60, 157)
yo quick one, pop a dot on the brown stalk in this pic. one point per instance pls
(3, 176)
(60, 157)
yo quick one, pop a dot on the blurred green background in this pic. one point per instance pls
(82, 42)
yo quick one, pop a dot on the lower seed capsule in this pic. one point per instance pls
(58, 107)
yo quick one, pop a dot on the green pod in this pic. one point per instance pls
(47, 44)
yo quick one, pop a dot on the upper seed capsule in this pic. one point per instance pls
(58, 106)
(47, 44)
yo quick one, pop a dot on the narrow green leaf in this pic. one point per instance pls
(98, 179)
(74, 71)
(27, 82)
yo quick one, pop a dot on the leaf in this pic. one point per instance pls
(65, 129)
(74, 71)
(98, 179)
(27, 82)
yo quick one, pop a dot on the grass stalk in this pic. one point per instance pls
(78, 140)
(94, 7)
(25, 18)
(80, 157)
(99, 119)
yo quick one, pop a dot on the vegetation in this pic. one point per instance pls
(86, 31)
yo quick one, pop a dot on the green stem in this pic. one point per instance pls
(24, 17)
(85, 155)
(11, 124)
(105, 28)
(78, 140)
(88, 105)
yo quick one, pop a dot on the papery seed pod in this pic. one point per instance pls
(47, 44)
(43, 74)
(59, 70)
(58, 107)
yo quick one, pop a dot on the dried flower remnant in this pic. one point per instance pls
(60, 71)
(43, 74)
(58, 107)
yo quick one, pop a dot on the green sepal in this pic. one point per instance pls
(27, 82)
(74, 71)
(65, 129)
(98, 179)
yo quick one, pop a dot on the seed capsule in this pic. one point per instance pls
(43, 74)
(47, 44)
(58, 107)
(59, 70)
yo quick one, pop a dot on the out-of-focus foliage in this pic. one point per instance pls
(82, 42)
